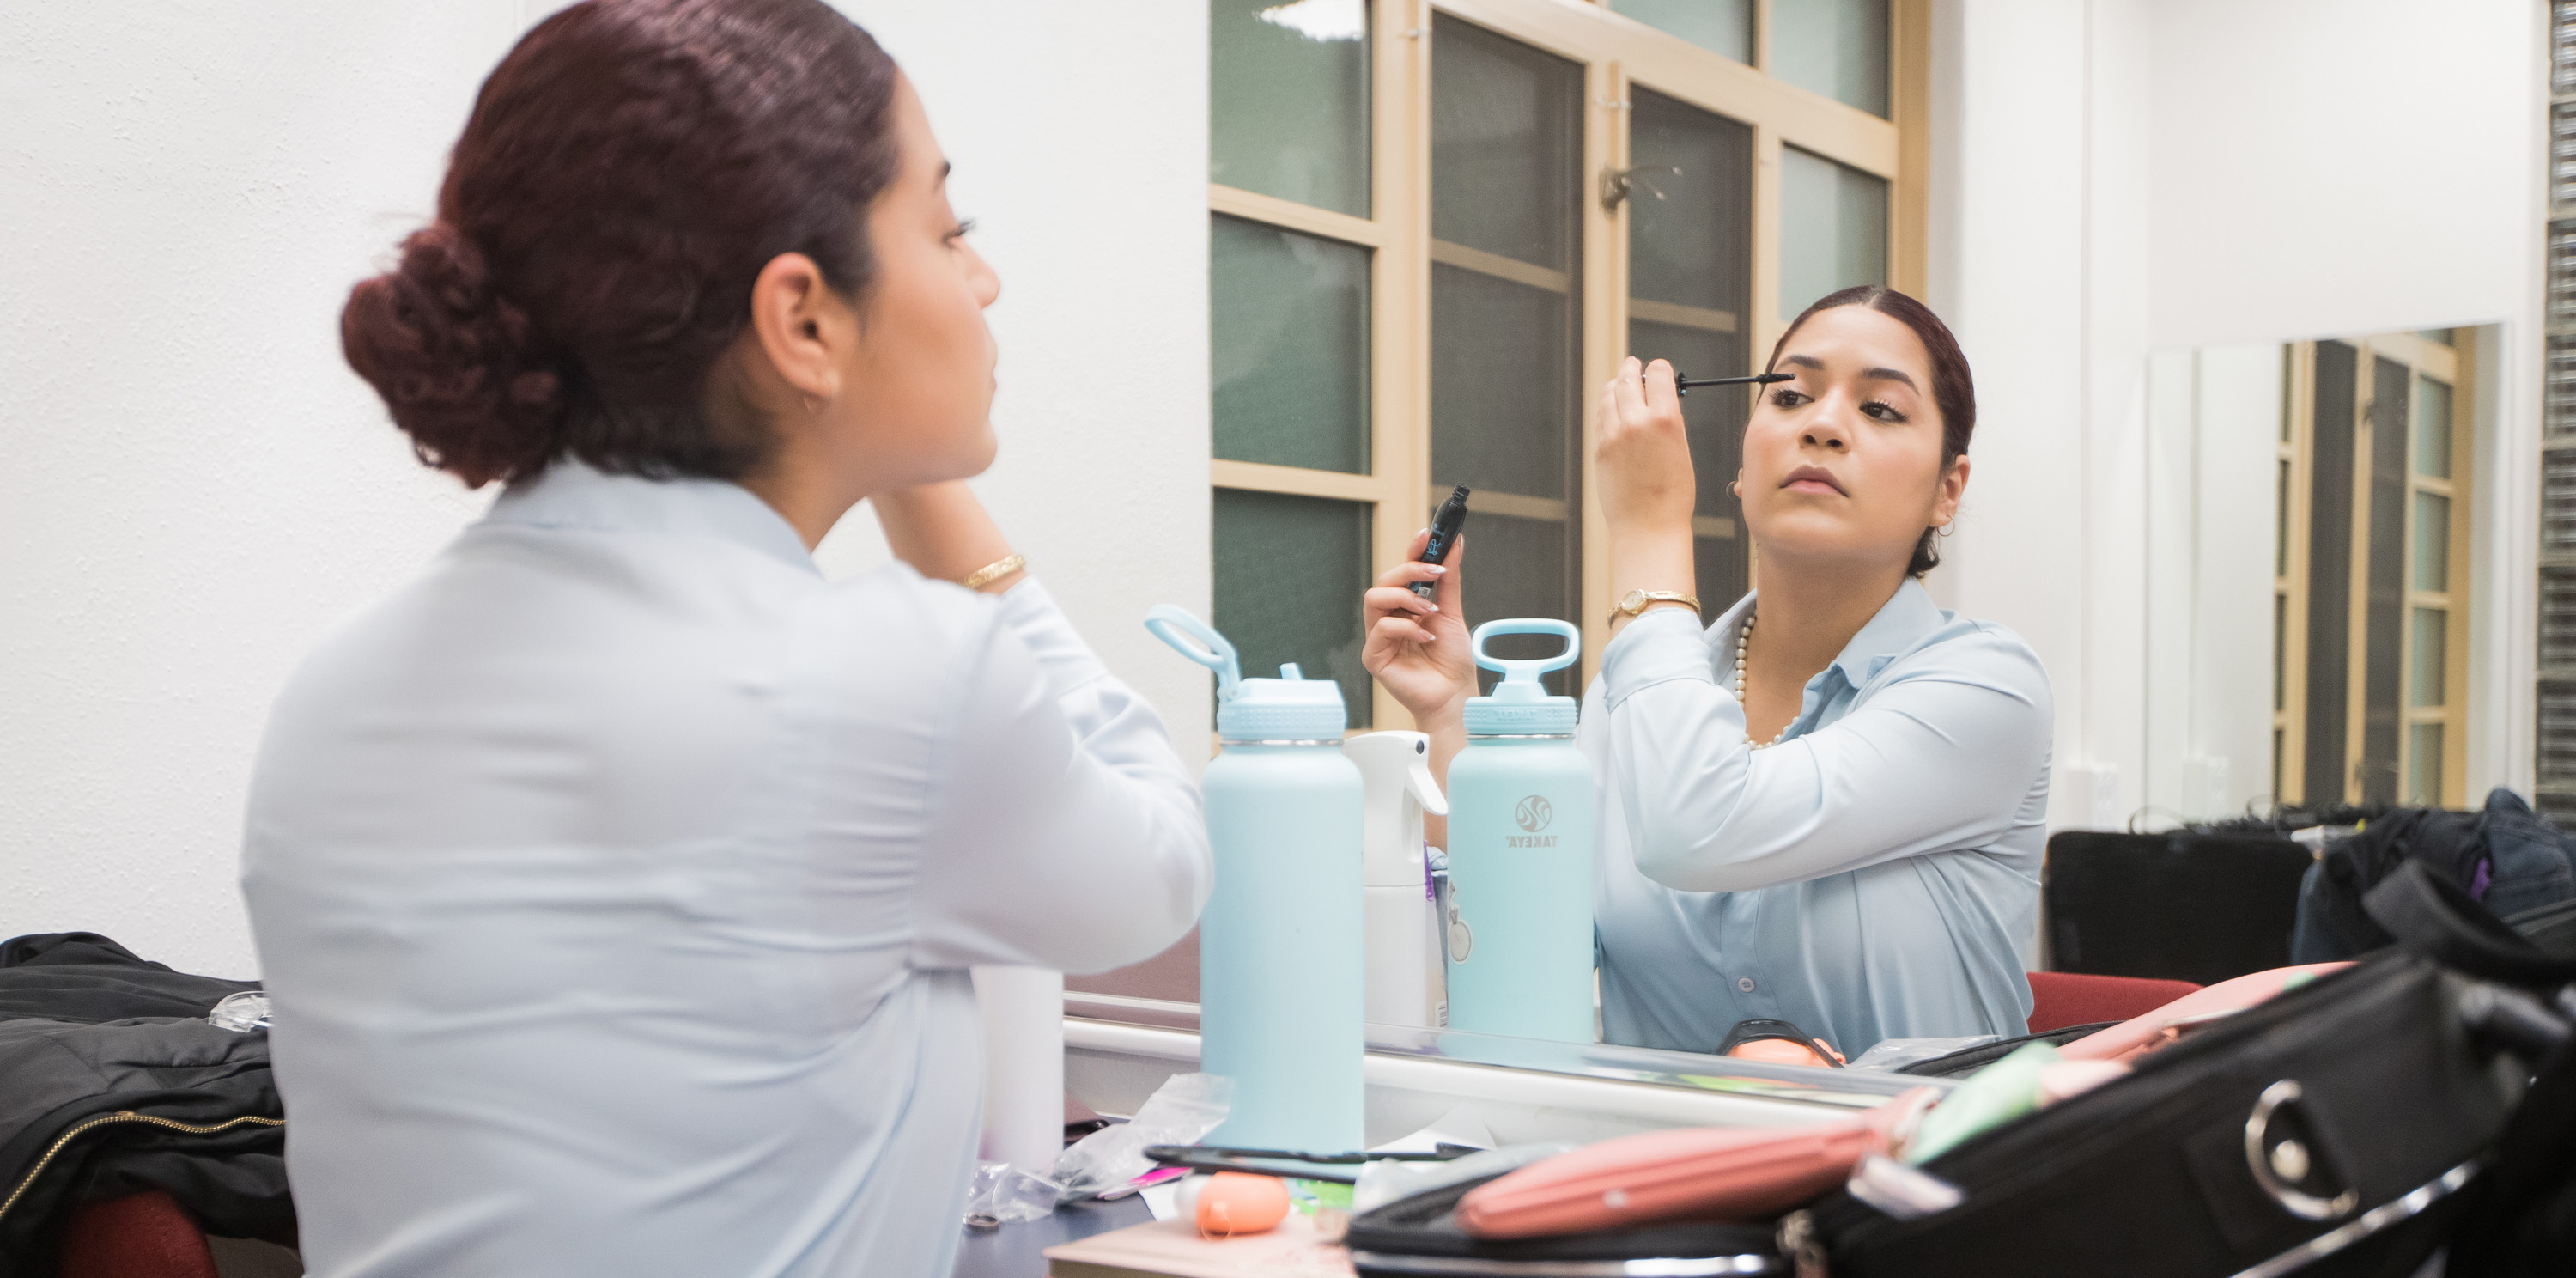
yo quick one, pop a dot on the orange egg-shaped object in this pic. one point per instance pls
(1231, 1203)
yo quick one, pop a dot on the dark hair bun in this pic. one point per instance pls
(458, 364)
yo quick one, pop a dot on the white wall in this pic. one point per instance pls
(196, 487)
(2128, 176)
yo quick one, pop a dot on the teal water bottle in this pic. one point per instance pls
(1520, 853)
(1280, 951)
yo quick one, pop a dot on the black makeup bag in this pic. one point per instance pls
(2339, 1129)
(1420, 1236)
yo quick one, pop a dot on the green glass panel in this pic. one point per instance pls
(2432, 657)
(2432, 542)
(2383, 672)
(1836, 47)
(1289, 574)
(1690, 215)
(1506, 146)
(1507, 180)
(1833, 228)
(1502, 390)
(2424, 765)
(1720, 26)
(2432, 428)
(1520, 568)
(1288, 338)
(1690, 231)
(1288, 97)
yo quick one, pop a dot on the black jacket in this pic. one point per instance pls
(112, 1082)
(2527, 864)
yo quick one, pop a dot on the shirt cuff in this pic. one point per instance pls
(1660, 645)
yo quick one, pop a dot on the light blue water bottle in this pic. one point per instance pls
(1520, 853)
(1280, 954)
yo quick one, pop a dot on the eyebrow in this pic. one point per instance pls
(1867, 374)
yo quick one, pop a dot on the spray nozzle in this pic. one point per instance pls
(1174, 625)
(1520, 678)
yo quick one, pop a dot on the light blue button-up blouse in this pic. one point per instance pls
(616, 883)
(1875, 875)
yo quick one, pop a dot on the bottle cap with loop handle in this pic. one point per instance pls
(1291, 707)
(1520, 705)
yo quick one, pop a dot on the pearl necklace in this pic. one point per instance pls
(1743, 633)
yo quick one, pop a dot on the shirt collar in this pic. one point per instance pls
(1901, 622)
(572, 494)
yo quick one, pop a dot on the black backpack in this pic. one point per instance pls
(2351, 1126)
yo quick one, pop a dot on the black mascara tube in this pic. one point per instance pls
(1444, 534)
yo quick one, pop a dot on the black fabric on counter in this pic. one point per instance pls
(91, 1031)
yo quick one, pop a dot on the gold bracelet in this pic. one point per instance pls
(994, 571)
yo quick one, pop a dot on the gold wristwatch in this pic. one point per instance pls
(1636, 600)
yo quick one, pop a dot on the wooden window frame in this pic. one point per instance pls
(1616, 51)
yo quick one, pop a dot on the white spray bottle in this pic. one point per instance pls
(1398, 921)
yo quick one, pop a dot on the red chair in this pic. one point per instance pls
(146, 1235)
(2060, 999)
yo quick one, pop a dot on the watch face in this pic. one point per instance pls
(1636, 600)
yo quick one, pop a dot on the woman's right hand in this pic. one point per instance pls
(1417, 648)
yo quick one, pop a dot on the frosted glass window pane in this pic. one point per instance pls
(2432, 542)
(1833, 228)
(1502, 358)
(1507, 185)
(1288, 339)
(1288, 94)
(2432, 630)
(2383, 606)
(1713, 415)
(1289, 572)
(2424, 765)
(1506, 146)
(1720, 26)
(1836, 47)
(2432, 428)
(1690, 233)
(1520, 568)
(1690, 260)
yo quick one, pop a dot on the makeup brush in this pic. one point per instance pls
(1682, 385)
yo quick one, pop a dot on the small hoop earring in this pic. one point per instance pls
(811, 405)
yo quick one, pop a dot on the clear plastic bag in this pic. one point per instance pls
(1002, 1194)
(1897, 1053)
(1185, 1108)
(240, 1013)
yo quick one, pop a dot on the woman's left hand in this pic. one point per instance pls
(1647, 484)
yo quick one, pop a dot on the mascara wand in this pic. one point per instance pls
(1683, 385)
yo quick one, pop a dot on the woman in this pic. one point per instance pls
(1833, 817)
(617, 880)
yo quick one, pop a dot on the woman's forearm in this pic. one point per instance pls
(943, 531)
(1659, 559)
